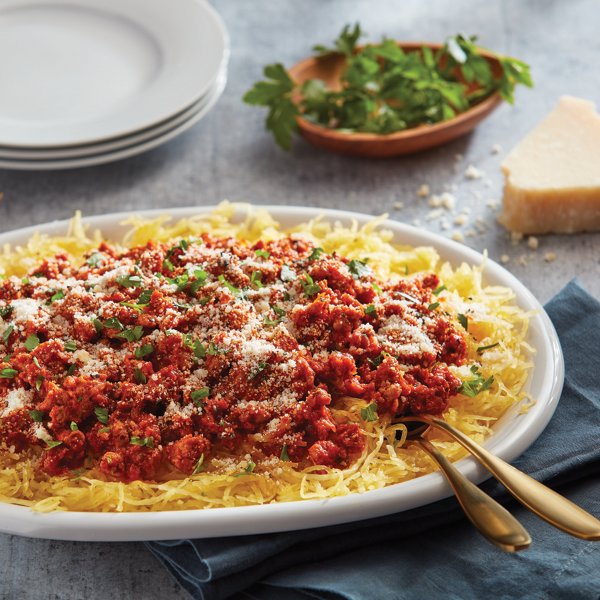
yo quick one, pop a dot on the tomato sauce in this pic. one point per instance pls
(171, 355)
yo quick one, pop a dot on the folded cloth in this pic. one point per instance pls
(432, 551)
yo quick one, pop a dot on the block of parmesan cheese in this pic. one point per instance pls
(552, 178)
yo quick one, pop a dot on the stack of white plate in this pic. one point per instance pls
(86, 82)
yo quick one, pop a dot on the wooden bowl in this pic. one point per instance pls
(329, 69)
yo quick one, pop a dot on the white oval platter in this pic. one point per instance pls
(513, 434)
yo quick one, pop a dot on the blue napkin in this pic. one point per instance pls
(433, 552)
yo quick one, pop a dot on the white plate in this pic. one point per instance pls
(78, 72)
(115, 144)
(146, 140)
(512, 434)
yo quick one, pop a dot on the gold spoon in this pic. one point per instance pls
(540, 499)
(491, 519)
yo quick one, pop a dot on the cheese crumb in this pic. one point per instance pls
(457, 236)
(398, 205)
(533, 242)
(504, 259)
(423, 191)
(472, 172)
(461, 219)
(550, 256)
(496, 149)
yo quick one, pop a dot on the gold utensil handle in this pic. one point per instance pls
(540, 499)
(492, 520)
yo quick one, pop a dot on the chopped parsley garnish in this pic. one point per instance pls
(59, 295)
(7, 332)
(198, 465)
(38, 382)
(359, 268)
(139, 376)
(464, 321)
(214, 350)
(284, 454)
(249, 468)
(310, 287)
(438, 290)
(268, 321)
(472, 387)
(200, 280)
(36, 415)
(5, 311)
(484, 348)
(71, 369)
(101, 414)
(376, 288)
(167, 264)
(234, 290)
(369, 413)
(52, 444)
(278, 311)
(144, 351)
(8, 373)
(378, 359)
(144, 297)
(104, 430)
(199, 395)
(132, 335)
(95, 259)
(433, 306)
(129, 281)
(97, 323)
(32, 342)
(260, 367)
(287, 274)
(316, 253)
(73, 426)
(255, 279)
(142, 441)
(70, 346)
(370, 310)
(113, 323)
(262, 253)
(199, 349)
(36, 362)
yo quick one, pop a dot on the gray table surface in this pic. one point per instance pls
(229, 155)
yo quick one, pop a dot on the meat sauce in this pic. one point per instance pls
(168, 355)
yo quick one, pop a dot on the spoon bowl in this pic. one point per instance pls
(329, 69)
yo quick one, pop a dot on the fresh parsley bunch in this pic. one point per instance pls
(385, 89)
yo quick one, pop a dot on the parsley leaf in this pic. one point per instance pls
(139, 376)
(369, 413)
(284, 454)
(198, 395)
(132, 335)
(143, 351)
(248, 470)
(129, 281)
(484, 348)
(464, 321)
(370, 310)
(6, 333)
(36, 415)
(276, 94)
(472, 387)
(310, 287)
(101, 414)
(438, 290)
(8, 373)
(198, 465)
(316, 253)
(262, 253)
(32, 342)
(52, 444)
(142, 441)
(359, 269)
